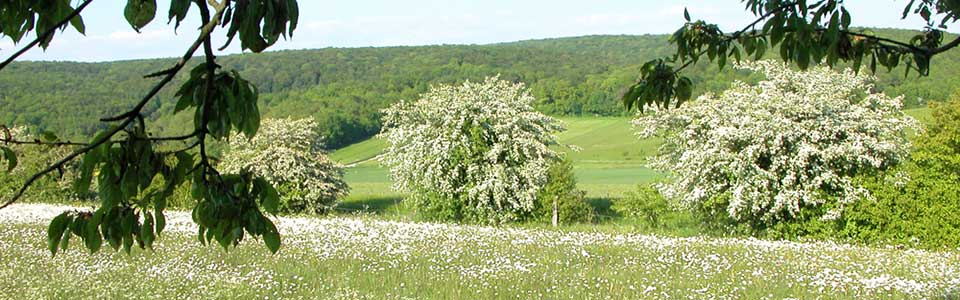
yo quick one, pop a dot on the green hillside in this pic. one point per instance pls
(345, 88)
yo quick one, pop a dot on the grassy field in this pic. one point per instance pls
(610, 164)
(611, 160)
(373, 248)
(364, 258)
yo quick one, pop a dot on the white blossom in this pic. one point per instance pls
(287, 153)
(480, 143)
(792, 140)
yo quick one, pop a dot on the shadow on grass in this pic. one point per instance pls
(951, 295)
(603, 208)
(372, 205)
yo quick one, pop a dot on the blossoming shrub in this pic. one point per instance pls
(474, 152)
(765, 152)
(288, 153)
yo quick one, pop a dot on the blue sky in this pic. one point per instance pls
(362, 23)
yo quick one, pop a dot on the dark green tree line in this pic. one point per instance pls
(344, 89)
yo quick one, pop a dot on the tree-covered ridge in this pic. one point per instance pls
(345, 88)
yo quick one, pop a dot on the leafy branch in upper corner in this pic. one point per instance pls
(134, 179)
(804, 33)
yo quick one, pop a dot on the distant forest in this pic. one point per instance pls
(345, 88)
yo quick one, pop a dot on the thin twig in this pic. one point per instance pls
(948, 46)
(171, 138)
(69, 143)
(45, 34)
(208, 89)
(39, 143)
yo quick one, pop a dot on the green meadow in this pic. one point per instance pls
(609, 164)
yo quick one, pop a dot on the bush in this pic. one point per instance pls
(646, 205)
(794, 141)
(915, 204)
(288, 154)
(481, 147)
(920, 208)
(561, 187)
(32, 159)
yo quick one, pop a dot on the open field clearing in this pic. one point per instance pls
(355, 258)
(610, 162)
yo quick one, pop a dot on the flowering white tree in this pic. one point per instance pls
(480, 148)
(287, 153)
(793, 140)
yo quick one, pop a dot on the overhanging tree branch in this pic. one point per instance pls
(805, 35)
(952, 44)
(129, 116)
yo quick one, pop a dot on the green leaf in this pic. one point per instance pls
(761, 49)
(803, 57)
(184, 164)
(684, 89)
(65, 240)
(269, 197)
(845, 19)
(252, 124)
(127, 222)
(11, 158)
(629, 97)
(77, 23)
(89, 162)
(49, 136)
(56, 229)
(293, 14)
(178, 11)
(92, 237)
(906, 9)
(161, 220)
(270, 236)
(776, 30)
(146, 230)
(201, 232)
(78, 227)
(128, 185)
(127, 243)
(111, 232)
(686, 14)
(139, 13)
(833, 29)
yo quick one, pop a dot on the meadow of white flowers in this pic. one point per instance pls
(794, 139)
(287, 152)
(479, 143)
(357, 258)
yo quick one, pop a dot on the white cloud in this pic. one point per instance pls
(323, 25)
(675, 10)
(608, 19)
(130, 35)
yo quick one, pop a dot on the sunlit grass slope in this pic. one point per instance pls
(609, 164)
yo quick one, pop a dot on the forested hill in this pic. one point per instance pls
(344, 88)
